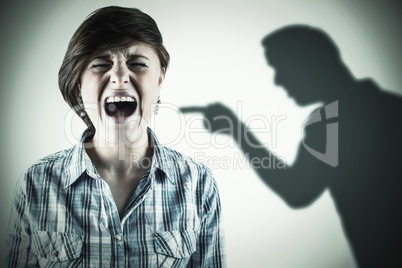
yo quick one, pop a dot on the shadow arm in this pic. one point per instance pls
(298, 185)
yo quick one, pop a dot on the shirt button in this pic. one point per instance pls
(118, 238)
(55, 253)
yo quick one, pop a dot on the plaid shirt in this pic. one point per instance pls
(64, 215)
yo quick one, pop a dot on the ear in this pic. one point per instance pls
(161, 77)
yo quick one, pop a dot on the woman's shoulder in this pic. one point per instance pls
(48, 168)
(52, 159)
(49, 165)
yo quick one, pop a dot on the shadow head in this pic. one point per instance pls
(307, 63)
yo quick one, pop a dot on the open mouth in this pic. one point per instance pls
(120, 106)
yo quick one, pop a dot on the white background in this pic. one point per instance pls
(216, 57)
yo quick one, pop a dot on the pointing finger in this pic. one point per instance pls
(193, 109)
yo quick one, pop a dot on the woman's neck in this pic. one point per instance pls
(121, 161)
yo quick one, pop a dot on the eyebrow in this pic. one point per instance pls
(127, 56)
(135, 56)
(105, 57)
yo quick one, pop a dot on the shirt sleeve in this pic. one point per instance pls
(211, 250)
(18, 239)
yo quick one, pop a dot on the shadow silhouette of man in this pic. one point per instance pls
(352, 144)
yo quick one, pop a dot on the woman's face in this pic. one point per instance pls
(119, 89)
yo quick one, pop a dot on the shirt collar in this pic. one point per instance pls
(161, 159)
(78, 161)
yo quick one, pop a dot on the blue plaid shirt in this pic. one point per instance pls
(64, 215)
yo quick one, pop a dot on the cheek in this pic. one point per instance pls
(149, 101)
(89, 98)
(91, 85)
(149, 89)
(92, 110)
(90, 91)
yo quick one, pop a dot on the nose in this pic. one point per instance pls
(119, 75)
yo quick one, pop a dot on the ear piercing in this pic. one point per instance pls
(82, 114)
(157, 106)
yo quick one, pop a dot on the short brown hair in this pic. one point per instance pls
(106, 28)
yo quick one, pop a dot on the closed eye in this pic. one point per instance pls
(100, 65)
(137, 64)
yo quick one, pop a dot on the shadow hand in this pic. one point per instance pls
(218, 118)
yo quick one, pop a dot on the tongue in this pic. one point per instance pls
(120, 109)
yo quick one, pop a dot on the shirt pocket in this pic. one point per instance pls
(175, 247)
(56, 249)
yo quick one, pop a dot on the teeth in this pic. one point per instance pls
(118, 99)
